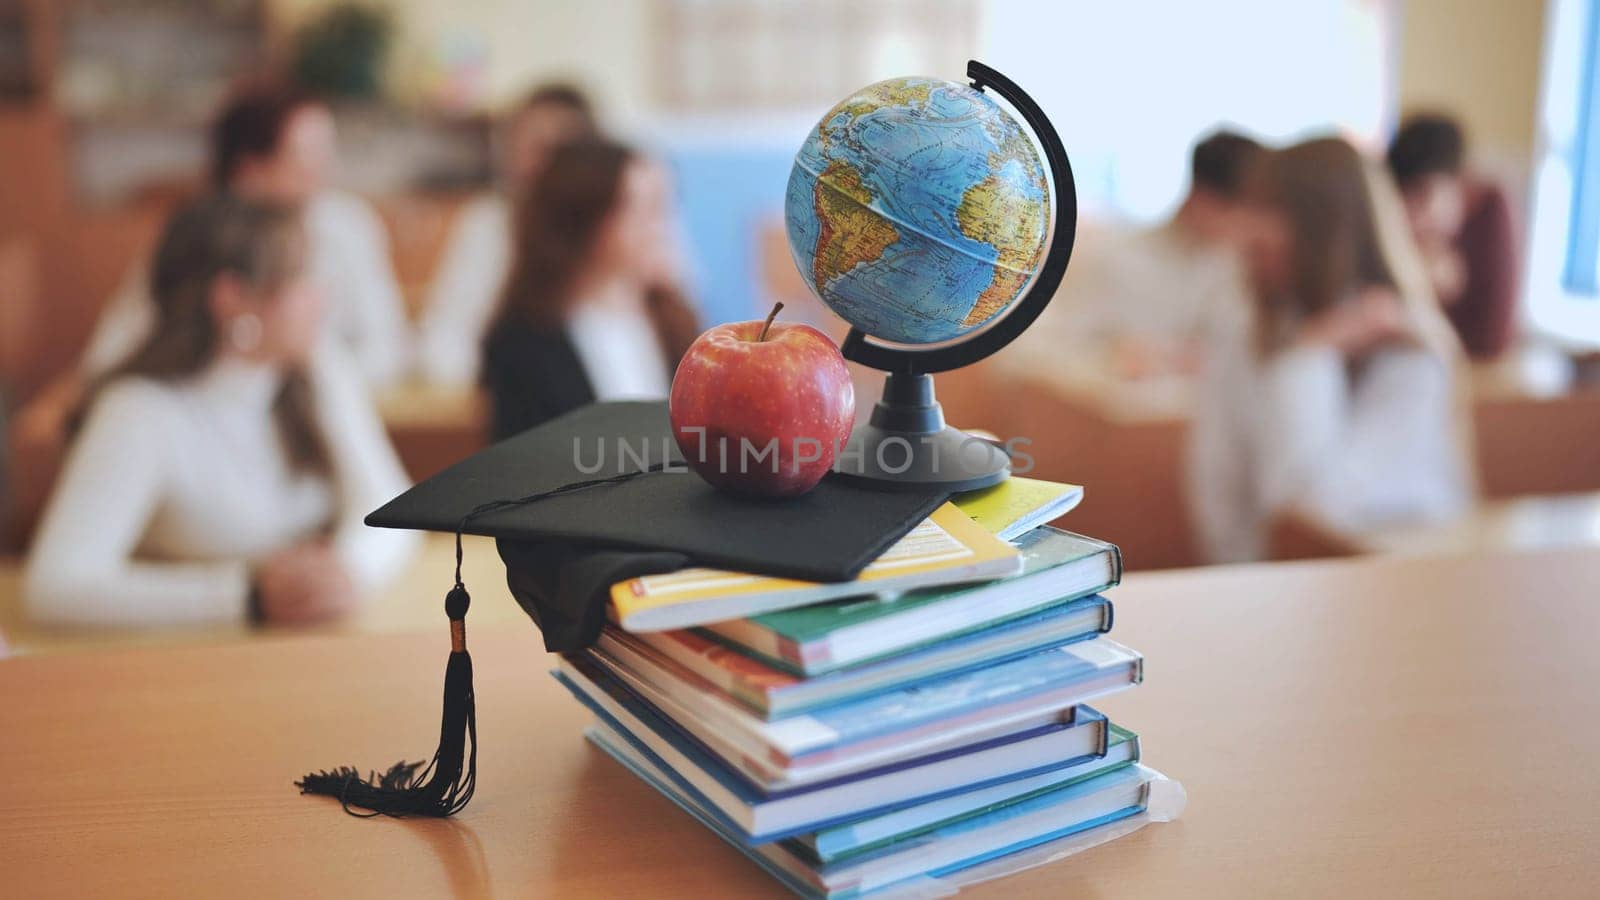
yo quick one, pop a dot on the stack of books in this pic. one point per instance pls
(928, 719)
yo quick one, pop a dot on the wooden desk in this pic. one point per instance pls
(1547, 522)
(1125, 447)
(413, 602)
(1125, 443)
(1525, 523)
(1375, 727)
(433, 426)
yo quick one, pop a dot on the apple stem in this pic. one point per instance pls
(768, 323)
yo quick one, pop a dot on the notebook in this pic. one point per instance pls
(873, 833)
(1018, 505)
(1075, 809)
(886, 728)
(759, 816)
(774, 693)
(1056, 565)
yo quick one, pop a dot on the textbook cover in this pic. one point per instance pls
(872, 833)
(946, 548)
(883, 728)
(760, 815)
(1055, 565)
(1018, 505)
(774, 693)
(1080, 808)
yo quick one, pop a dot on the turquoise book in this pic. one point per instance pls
(1108, 796)
(1056, 565)
(885, 832)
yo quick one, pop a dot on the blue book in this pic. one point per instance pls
(1013, 828)
(883, 831)
(759, 816)
(824, 637)
(773, 693)
(845, 738)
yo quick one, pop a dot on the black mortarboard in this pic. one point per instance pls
(586, 500)
(828, 534)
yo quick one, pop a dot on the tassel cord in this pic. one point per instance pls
(484, 509)
(446, 784)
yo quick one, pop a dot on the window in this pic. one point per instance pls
(1562, 286)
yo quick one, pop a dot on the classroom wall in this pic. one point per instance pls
(1479, 59)
(602, 43)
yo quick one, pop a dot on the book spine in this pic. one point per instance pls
(732, 683)
(746, 636)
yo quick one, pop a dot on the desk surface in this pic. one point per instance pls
(1383, 727)
(1523, 523)
(420, 405)
(413, 601)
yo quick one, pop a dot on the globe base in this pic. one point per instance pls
(906, 445)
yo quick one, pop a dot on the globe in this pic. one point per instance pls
(917, 210)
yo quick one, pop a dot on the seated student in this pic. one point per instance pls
(1337, 395)
(224, 468)
(583, 315)
(473, 268)
(1137, 304)
(274, 144)
(1462, 224)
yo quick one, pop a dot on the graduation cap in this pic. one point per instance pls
(591, 498)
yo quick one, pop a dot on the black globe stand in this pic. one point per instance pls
(905, 443)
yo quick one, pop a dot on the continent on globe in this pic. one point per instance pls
(917, 210)
(992, 212)
(849, 233)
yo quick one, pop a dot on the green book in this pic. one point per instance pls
(1056, 566)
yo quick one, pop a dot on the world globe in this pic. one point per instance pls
(917, 210)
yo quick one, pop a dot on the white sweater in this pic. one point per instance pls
(1298, 431)
(348, 260)
(1153, 284)
(465, 292)
(173, 489)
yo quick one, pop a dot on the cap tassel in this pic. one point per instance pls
(445, 786)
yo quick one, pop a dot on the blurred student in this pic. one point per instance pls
(584, 315)
(1138, 304)
(224, 468)
(1337, 395)
(473, 269)
(1462, 224)
(273, 144)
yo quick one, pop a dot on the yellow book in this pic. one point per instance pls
(1018, 505)
(948, 547)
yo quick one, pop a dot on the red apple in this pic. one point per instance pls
(761, 409)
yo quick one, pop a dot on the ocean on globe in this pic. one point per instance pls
(917, 210)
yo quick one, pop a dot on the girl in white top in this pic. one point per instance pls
(348, 259)
(272, 144)
(584, 314)
(222, 471)
(477, 256)
(1337, 396)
